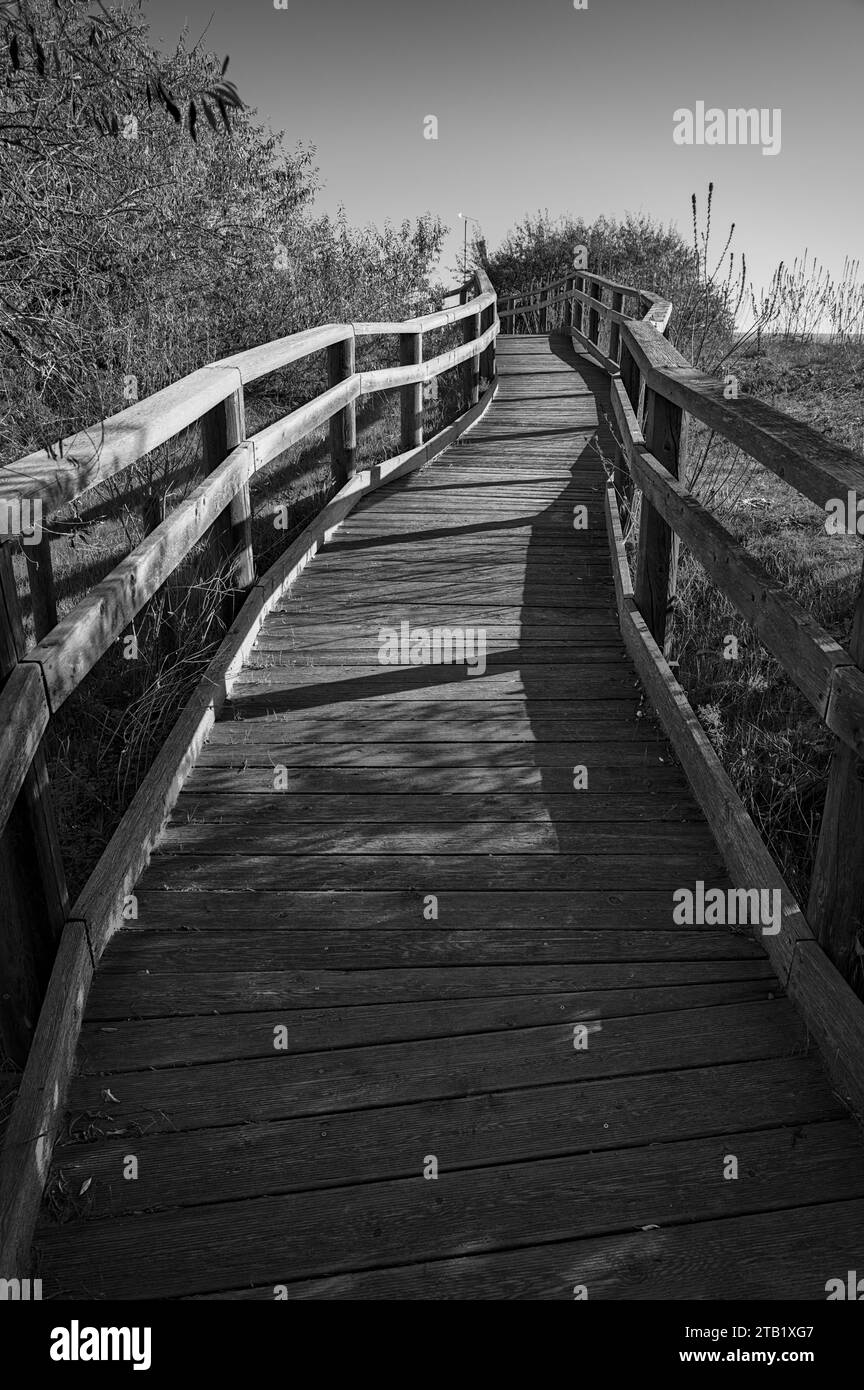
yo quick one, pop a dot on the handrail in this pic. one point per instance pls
(34, 684)
(646, 371)
(61, 473)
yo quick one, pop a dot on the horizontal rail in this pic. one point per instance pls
(24, 716)
(812, 464)
(74, 646)
(591, 347)
(256, 362)
(71, 649)
(387, 378)
(586, 274)
(805, 650)
(61, 473)
(91, 456)
(269, 443)
(428, 322)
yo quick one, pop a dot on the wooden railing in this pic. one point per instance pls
(652, 388)
(35, 683)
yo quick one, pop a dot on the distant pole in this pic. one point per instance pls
(466, 218)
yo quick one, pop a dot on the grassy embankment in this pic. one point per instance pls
(772, 743)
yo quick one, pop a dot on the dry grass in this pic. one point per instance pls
(105, 738)
(772, 743)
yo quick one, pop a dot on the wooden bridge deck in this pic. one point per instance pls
(294, 900)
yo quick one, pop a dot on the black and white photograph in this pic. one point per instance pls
(431, 672)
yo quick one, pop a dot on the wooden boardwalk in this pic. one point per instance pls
(289, 1037)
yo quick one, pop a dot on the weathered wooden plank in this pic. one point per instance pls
(201, 803)
(237, 1162)
(276, 749)
(478, 870)
(289, 689)
(256, 946)
(238, 837)
(344, 658)
(354, 1078)
(121, 994)
(192, 1041)
(707, 1260)
(516, 1205)
(587, 913)
(276, 731)
(605, 778)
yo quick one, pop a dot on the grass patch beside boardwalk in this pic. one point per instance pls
(773, 745)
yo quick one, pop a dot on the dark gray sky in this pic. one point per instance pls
(543, 106)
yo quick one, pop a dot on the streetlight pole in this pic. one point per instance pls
(466, 219)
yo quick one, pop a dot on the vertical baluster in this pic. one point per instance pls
(222, 429)
(411, 397)
(343, 425)
(835, 907)
(657, 557)
(615, 328)
(34, 897)
(596, 292)
(471, 368)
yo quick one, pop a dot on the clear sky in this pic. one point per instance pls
(540, 105)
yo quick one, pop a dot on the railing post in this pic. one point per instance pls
(596, 292)
(487, 357)
(411, 397)
(568, 303)
(343, 425)
(630, 381)
(40, 576)
(222, 429)
(630, 377)
(471, 368)
(35, 902)
(543, 310)
(835, 908)
(657, 556)
(578, 307)
(615, 328)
